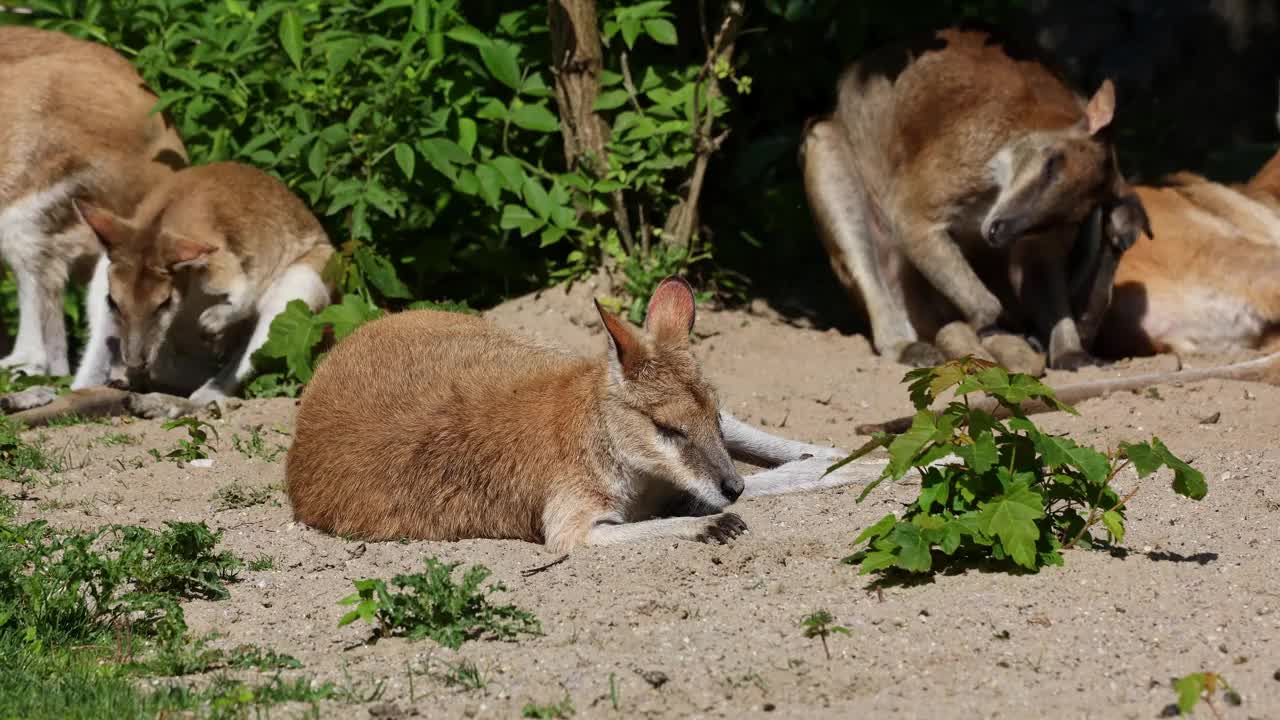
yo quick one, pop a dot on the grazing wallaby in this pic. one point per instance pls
(440, 426)
(1212, 282)
(189, 284)
(957, 154)
(75, 122)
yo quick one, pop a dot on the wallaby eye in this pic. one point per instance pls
(1053, 166)
(164, 304)
(669, 432)
(111, 304)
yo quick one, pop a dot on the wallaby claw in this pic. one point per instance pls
(921, 354)
(722, 528)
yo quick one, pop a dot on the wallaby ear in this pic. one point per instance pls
(1126, 219)
(185, 252)
(1101, 109)
(104, 223)
(671, 311)
(626, 351)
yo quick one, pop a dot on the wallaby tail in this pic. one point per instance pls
(89, 402)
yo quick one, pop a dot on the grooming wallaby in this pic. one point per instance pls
(189, 284)
(1212, 282)
(952, 156)
(440, 426)
(75, 122)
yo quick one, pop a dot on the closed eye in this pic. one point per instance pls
(111, 304)
(164, 304)
(1053, 167)
(668, 432)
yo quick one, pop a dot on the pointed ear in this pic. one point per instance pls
(185, 252)
(111, 230)
(1101, 109)
(626, 351)
(671, 312)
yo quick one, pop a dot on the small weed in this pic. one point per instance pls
(553, 711)
(194, 447)
(19, 459)
(819, 625)
(55, 504)
(262, 562)
(1010, 492)
(1193, 688)
(432, 605)
(615, 695)
(462, 674)
(256, 446)
(245, 657)
(115, 439)
(73, 419)
(234, 496)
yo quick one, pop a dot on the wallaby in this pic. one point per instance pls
(1212, 282)
(440, 426)
(75, 122)
(189, 285)
(953, 155)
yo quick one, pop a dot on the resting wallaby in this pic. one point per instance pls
(440, 426)
(1212, 282)
(954, 154)
(75, 122)
(201, 269)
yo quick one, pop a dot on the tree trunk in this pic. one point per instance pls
(576, 61)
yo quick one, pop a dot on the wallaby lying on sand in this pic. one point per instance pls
(440, 426)
(75, 122)
(1212, 282)
(954, 154)
(190, 284)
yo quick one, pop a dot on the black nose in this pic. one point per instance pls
(995, 232)
(732, 486)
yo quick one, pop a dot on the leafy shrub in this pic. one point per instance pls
(432, 605)
(1011, 492)
(194, 447)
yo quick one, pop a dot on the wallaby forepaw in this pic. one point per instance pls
(722, 528)
(214, 322)
(920, 354)
(158, 406)
(33, 397)
(1014, 353)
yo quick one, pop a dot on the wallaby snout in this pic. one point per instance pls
(732, 485)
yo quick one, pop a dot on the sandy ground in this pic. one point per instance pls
(691, 630)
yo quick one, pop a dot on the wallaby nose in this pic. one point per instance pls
(995, 232)
(732, 486)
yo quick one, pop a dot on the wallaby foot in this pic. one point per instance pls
(1074, 361)
(921, 354)
(32, 397)
(610, 530)
(159, 406)
(958, 339)
(1014, 353)
(25, 364)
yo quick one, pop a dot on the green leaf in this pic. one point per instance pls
(405, 159)
(380, 273)
(1145, 459)
(291, 36)
(490, 184)
(535, 117)
(469, 35)
(294, 334)
(317, 158)
(1011, 518)
(982, 455)
(1189, 689)
(879, 530)
(466, 134)
(952, 533)
(1186, 480)
(877, 560)
(537, 199)
(661, 31)
(518, 217)
(348, 315)
(501, 60)
(1059, 451)
(905, 447)
(914, 553)
(610, 99)
(1114, 522)
(512, 172)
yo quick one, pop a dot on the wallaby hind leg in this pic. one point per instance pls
(1045, 290)
(840, 209)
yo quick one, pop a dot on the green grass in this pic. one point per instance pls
(234, 496)
(22, 461)
(256, 447)
(551, 711)
(262, 562)
(431, 604)
(114, 439)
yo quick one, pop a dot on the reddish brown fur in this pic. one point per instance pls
(1211, 282)
(441, 426)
